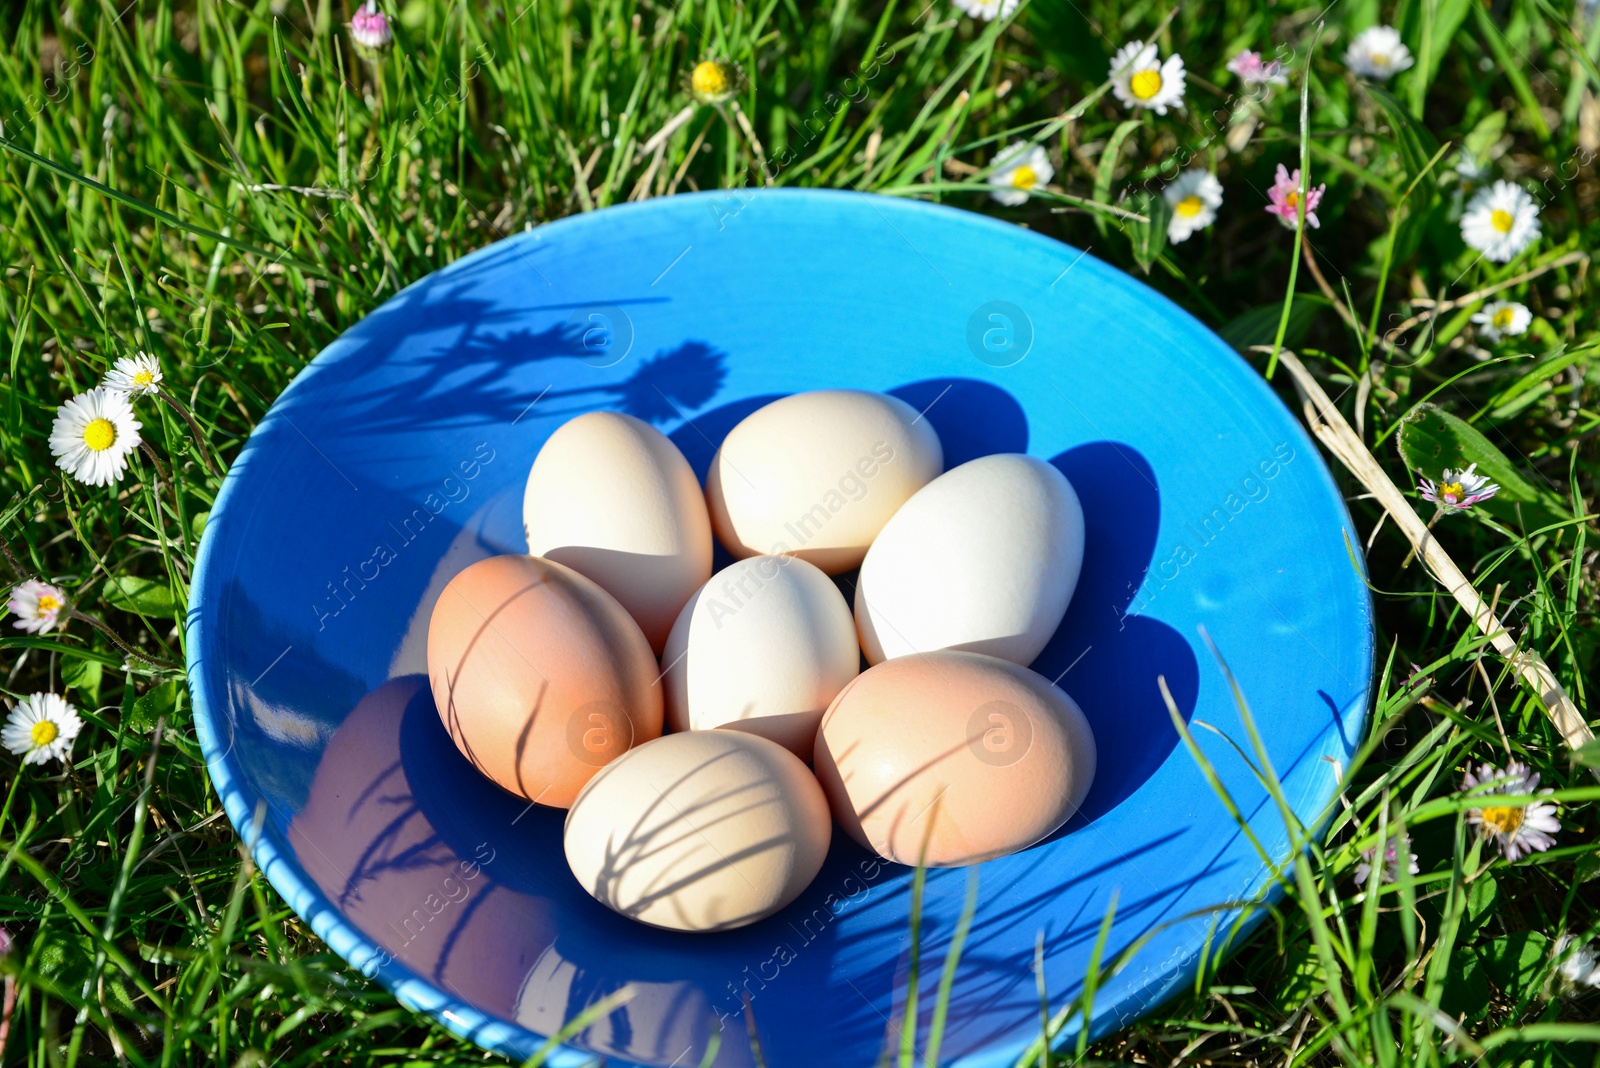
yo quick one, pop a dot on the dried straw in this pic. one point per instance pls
(1330, 428)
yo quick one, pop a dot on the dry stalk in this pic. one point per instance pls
(1328, 424)
(1436, 310)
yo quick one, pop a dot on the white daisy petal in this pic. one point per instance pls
(1195, 195)
(1378, 53)
(1516, 829)
(1019, 169)
(1579, 966)
(1470, 169)
(1500, 222)
(1502, 319)
(1140, 79)
(987, 10)
(92, 436)
(36, 605)
(41, 727)
(134, 376)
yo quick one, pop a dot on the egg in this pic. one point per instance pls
(540, 676)
(984, 558)
(764, 647)
(703, 831)
(612, 498)
(817, 475)
(969, 756)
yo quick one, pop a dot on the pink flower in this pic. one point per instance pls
(1252, 71)
(1285, 197)
(1391, 864)
(369, 28)
(1458, 490)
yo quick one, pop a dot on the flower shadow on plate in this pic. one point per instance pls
(396, 820)
(446, 359)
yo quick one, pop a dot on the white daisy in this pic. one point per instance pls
(1141, 80)
(93, 434)
(1377, 52)
(1458, 490)
(41, 727)
(1579, 966)
(1502, 318)
(135, 376)
(1470, 169)
(1500, 222)
(1020, 168)
(1195, 196)
(1516, 829)
(987, 9)
(37, 605)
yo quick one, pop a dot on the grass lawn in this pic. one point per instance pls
(227, 186)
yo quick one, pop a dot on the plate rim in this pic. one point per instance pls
(284, 873)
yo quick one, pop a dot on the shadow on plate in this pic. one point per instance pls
(466, 886)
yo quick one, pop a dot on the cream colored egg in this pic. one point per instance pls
(984, 558)
(612, 498)
(703, 831)
(817, 475)
(764, 647)
(964, 756)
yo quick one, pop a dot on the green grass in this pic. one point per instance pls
(229, 187)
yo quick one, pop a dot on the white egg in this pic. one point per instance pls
(764, 647)
(612, 498)
(817, 475)
(984, 558)
(702, 831)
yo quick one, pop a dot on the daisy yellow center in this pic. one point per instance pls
(1145, 84)
(1501, 220)
(1292, 199)
(1450, 491)
(44, 732)
(709, 79)
(144, 378)
(1504, 318)
(1189, 206)
(1379, 59)
(1502, 819)
(48, 604)
(1024, 177)
(100, 435)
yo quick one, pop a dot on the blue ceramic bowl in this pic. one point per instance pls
(398, 457)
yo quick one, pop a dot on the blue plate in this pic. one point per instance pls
(399, 456)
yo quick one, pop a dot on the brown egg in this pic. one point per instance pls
(541, 677)
(968, 755)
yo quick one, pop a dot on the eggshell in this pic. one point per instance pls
(540, 675)
(763, 647)
(972, 755)
(984, 558)
(817, 475)
(703, 831)
(612, 498)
